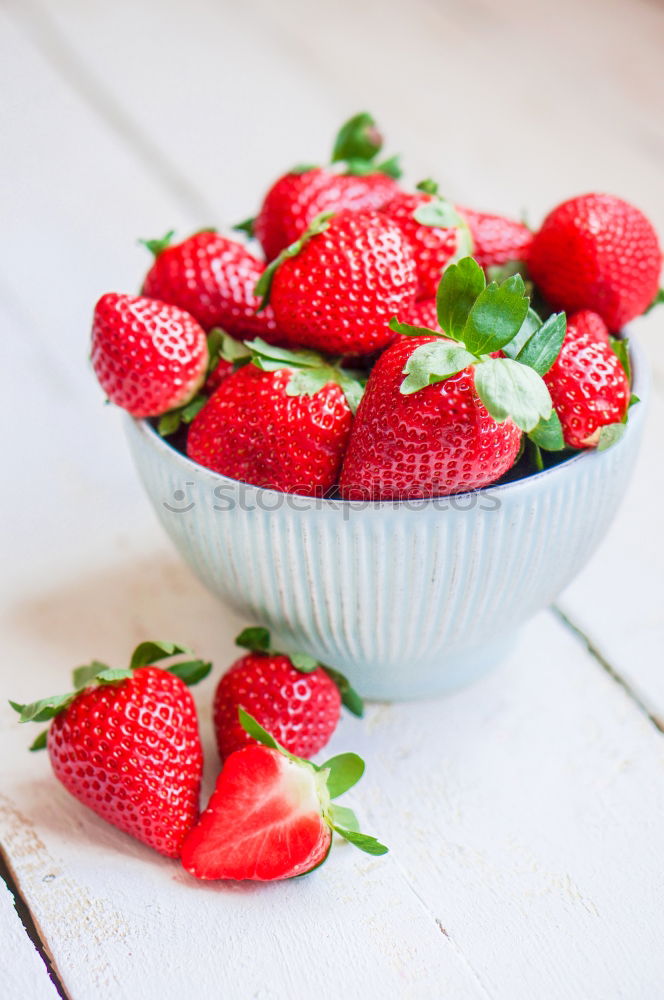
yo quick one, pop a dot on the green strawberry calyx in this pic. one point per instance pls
(439, 213)
(311, 372)
(478, 320)
(221, 346)
(96, 673)
(264, 284)
(257, 639)
(357, 146)
(158, 246)
(333, 778)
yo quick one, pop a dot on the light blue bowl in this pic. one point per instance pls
(408, 599)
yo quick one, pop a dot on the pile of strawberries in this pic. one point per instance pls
(126, 744)
(386, 346)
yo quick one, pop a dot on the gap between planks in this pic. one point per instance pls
(602, 662)
(25, 916)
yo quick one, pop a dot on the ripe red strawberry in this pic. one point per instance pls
(588, 385)
(433, 245)
(271, 815)
(454, 422)
(496, 239)
(296, 698)
(213, 278)
(149, 357)
(435, 442)
(281, 422)
(589, 323)
(338, 287)
(422, 313)
(125, 743)
(597, 252)
(296, 199)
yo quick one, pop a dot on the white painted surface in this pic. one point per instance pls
(22, 972)
(525, 814)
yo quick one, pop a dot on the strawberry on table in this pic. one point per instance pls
(125, 743)
(213, 278)
(292, 695)
(281, 422)
(588, 384)
(272, 814)
(337, 287)
(496, 239)
(299, 196)
(149, 357)
(434, 230)
(597, 252)
(440, 415)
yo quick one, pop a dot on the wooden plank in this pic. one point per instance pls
(22, 972)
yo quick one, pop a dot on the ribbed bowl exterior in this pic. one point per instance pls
(408, 599)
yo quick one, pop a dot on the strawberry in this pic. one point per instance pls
(125, 743)
(496, 240)
(454, 422)
(422, 313)
(588, 384)
(149, 357)
(294, 697)
(271, 815)
(433, 229)
(597, 252)
(337, 287)
(281, 422)
(213, 278)
(295, 199)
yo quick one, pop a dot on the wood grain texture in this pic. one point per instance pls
(22, 972)
(525, 814)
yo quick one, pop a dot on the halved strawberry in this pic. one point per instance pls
(271, 815)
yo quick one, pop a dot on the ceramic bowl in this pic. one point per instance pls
(408, 599)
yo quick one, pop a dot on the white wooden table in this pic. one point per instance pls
(525, 815)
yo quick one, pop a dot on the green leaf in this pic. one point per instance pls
(496, 316)
(509, 389)
(256, 638)
(349, 696)
(365, 843)
(45, 709)
(246, 226)
(82, 676)
(531, 323)
(411, 331)
(262, 352)
(308, 381)
(264, 283)
(229, 348)
(609, 435)
(345, 769)
(543, 346)
(190, 671)
(548, 434)
(303, 662)
(357, 139)
(459, 288)
(535, 455)
(390, 167)
(193, 407)
(498, 272)
(113, 676)
(439, 213)
(256, 731)
(158, 246)
(352, 388)
(147, 653)
(169, 422)
(620, 347)
(39, 743)
(434, 362)
(428, 185)
(659, 298)
(344, 817)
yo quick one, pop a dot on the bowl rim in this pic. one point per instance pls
(142, 428)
